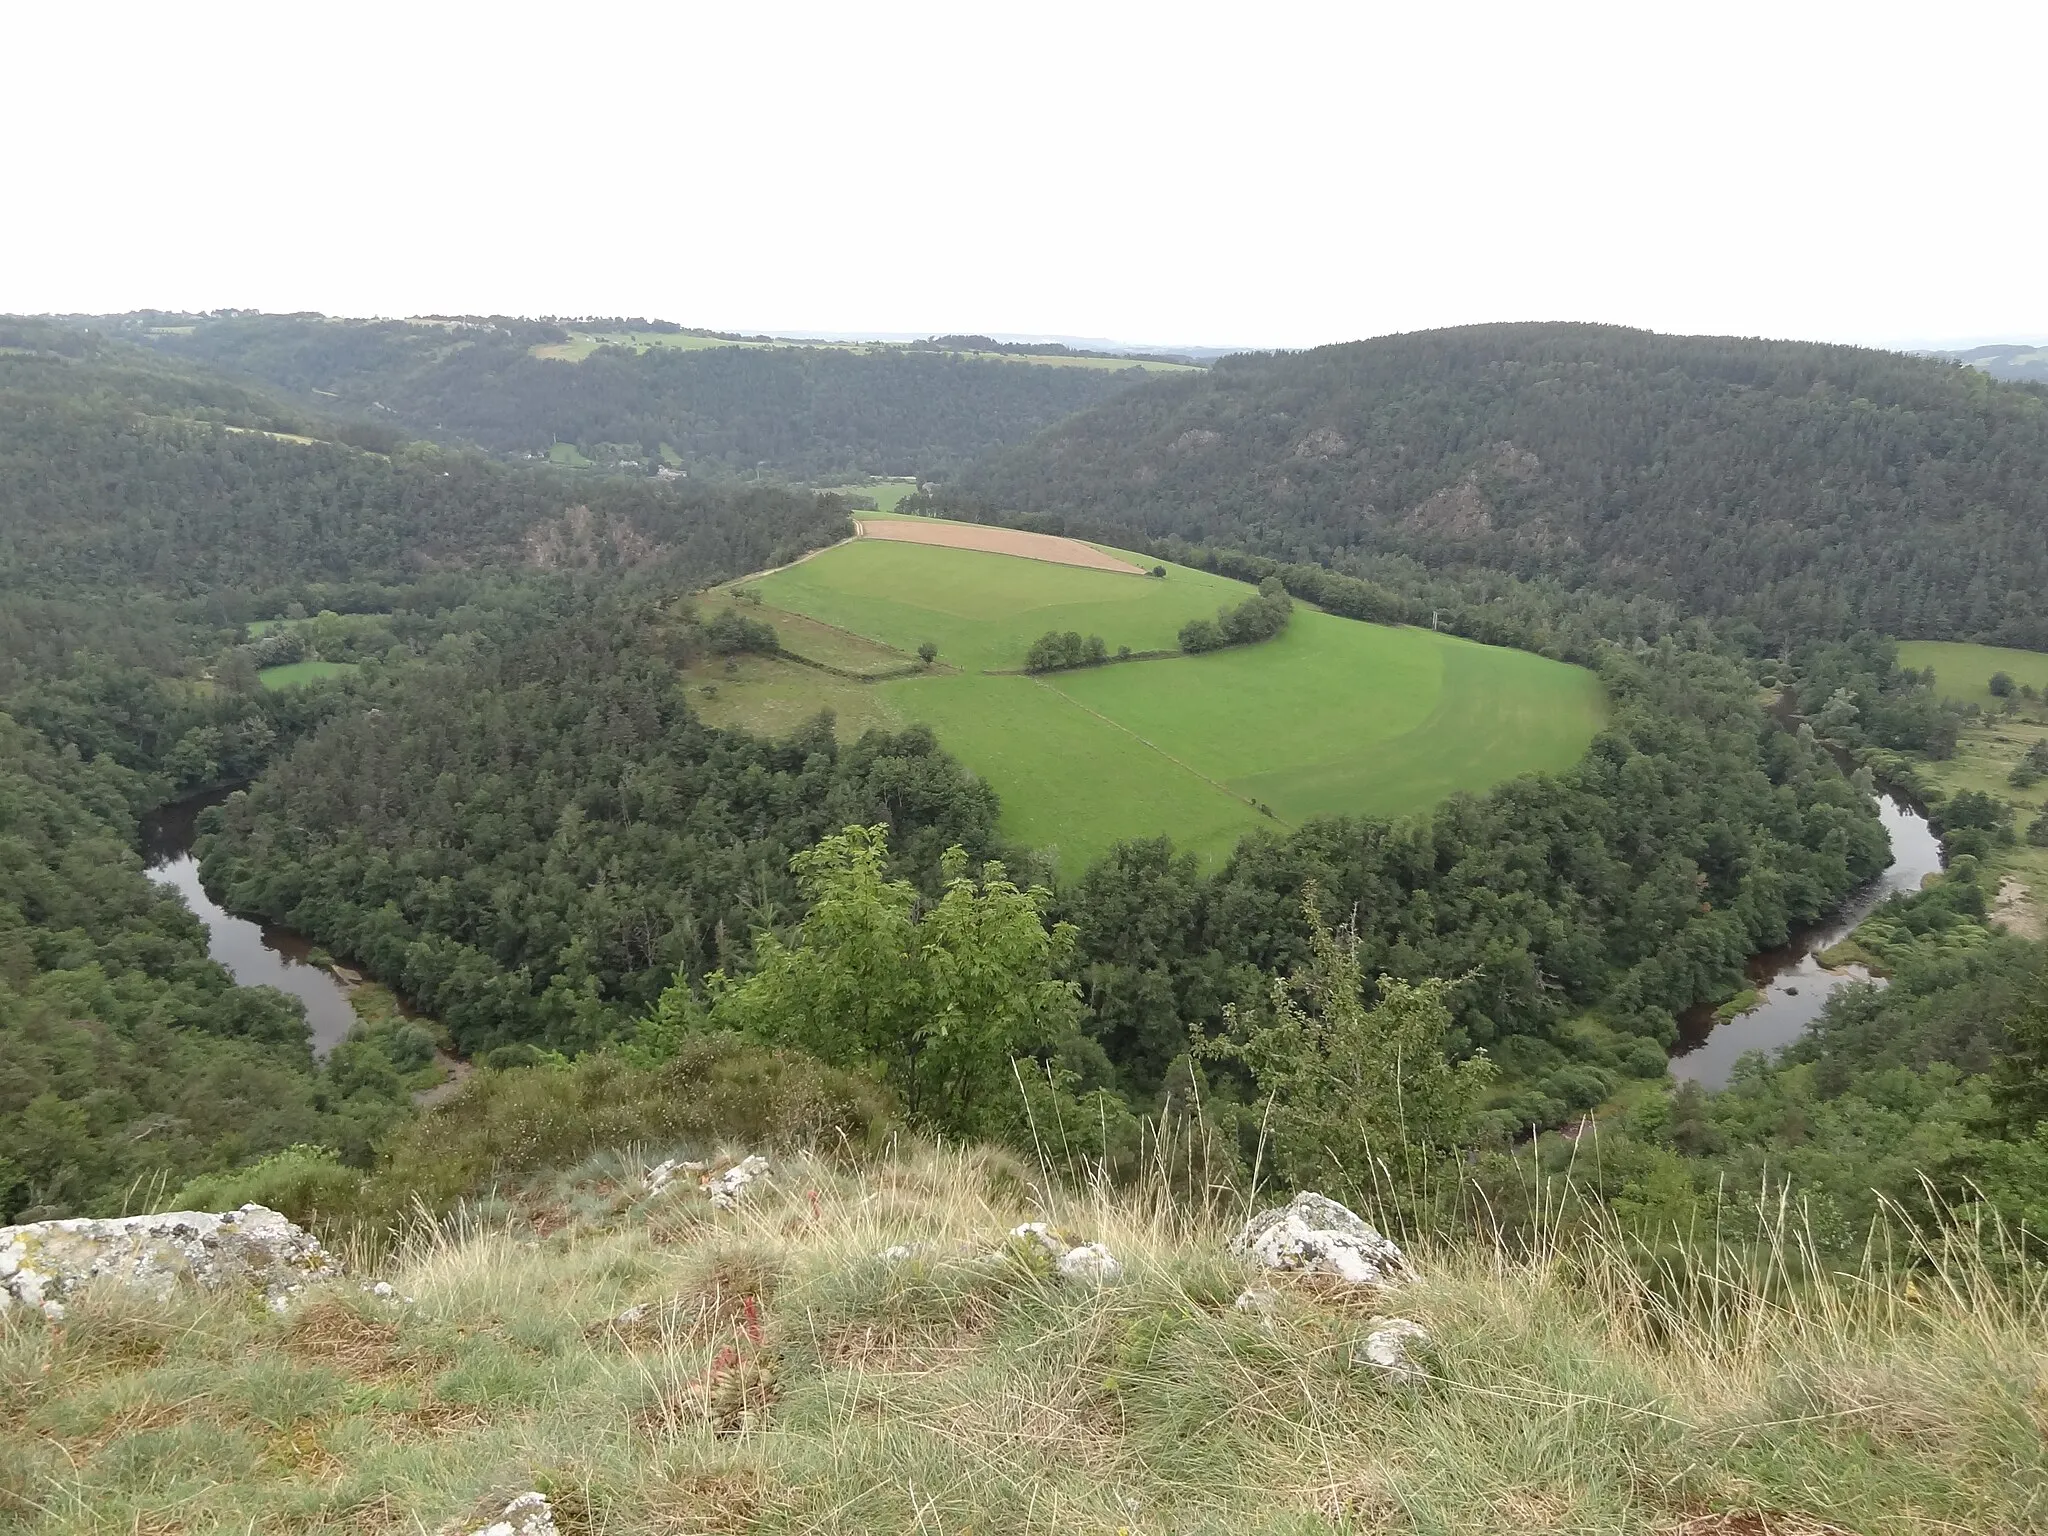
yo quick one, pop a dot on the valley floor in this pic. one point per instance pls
(1330, 717)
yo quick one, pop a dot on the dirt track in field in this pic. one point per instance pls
(999, 541)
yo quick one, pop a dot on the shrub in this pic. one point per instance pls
(1054, 651)
(715, 1090)
(733, 632)
(1255, 619)
(300, 1181)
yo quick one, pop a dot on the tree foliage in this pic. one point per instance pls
(720, 411)
(1810, 490)
(1055, 651)
(1254, 619)
(129, 1061)
(938, 999)
(1352, 1089)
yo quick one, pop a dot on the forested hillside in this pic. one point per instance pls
(149, 516)
(1809, 490)
(533, 842)
(504, 805)
(718, 411)
(128, 1060)
(118, 472)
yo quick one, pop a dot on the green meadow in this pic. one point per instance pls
(299, 673)
(582, 343)
(1332, 717)
(984, 610)
(1963, 672)
(885, 494)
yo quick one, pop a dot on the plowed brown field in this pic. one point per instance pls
(999, 541)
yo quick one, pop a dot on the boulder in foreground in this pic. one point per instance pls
(253, 1248)
(1314, 1235)
(528, 1515)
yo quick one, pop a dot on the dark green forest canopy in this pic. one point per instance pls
(533, 842)
(803, 411)
(127, 1057)
(117, 473)
(1813, 490)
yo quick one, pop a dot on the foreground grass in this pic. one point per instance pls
(965, 1389)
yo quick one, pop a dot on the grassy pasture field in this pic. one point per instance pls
(800, 636)
(984, 610)
(886, 494)
(299, 673)
(582, 343)
(1963, 672)
(1332, 717)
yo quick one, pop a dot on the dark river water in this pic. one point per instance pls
(1791, 984)
(257, 954)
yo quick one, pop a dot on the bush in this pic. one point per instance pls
(1258, 618)
(733, 632)
(714, 1091)
(2001, 685)
(1974, 823)
(1644, 1058)
(1055, 652)
(300, 1181)
(2037, 830)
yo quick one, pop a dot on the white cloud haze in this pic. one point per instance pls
(1279, 174)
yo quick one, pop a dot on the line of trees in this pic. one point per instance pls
(1055, 651)
(1254, 619)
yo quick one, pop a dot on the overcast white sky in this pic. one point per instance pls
(1263, 174)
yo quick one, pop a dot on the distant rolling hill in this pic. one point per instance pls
(2021, 361)
(646, 398)
(1811, 489)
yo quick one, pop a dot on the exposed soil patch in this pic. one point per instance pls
(2016, 912)
(998, 541)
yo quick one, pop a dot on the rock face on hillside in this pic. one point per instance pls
(254, 1248)
(1317, 1236)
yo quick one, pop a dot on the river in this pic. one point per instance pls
(1792, 986)
(256, 954)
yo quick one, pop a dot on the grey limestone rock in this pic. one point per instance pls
(528, 1515)
(726, 1188)
(1387, 1349)
(254, 1248)
(1315, 1235)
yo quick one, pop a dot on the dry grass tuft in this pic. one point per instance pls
(1755, 1523)
(330, 1331)
(705, 1503)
